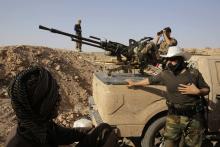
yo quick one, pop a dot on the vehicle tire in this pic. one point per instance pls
(153, 134)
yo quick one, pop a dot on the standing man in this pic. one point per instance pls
(184, 90)
(78, 31)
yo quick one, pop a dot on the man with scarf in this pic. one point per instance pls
(35, 99)
(185, 86)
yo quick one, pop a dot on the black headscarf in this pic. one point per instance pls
(177, 68)
(34, 97)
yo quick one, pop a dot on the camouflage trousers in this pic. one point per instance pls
(147, 54)
(183, 131)
(79, 44)
(148, 47)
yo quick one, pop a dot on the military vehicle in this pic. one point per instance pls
(141, 112)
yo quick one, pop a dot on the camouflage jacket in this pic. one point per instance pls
(163, 46)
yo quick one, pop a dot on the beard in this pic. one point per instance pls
(177, 68)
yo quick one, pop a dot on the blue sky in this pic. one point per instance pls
(195, 23)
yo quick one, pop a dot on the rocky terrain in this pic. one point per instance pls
(72, 70)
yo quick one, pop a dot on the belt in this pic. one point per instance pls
(185, 110)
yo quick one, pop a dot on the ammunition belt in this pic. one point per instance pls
(185, 110)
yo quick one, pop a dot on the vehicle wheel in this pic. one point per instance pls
(153, 135)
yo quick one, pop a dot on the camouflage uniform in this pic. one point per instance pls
(163, 46)
(156, 50)
(191, 128)
(78, 31)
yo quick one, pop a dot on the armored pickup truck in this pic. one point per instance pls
(141, 112)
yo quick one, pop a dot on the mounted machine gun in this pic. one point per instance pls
(113, 48)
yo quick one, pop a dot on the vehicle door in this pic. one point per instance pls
(214, 103)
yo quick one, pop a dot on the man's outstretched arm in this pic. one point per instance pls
(144, 82)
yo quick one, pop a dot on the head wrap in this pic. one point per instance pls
(34, 97)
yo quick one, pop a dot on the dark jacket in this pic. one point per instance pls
(56, 135)
(78, 29)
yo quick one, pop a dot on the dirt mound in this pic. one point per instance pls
(72, 70)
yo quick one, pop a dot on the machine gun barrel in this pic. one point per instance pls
(114, 48)
(95, 37)
(87, 43)
(74, 37)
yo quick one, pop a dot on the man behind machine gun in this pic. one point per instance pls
(155, 48)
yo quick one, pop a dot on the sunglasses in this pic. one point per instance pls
(172, 59)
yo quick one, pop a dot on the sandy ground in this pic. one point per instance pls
(72, 70)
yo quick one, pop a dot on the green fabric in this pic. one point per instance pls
(191, 128)
(163, 46)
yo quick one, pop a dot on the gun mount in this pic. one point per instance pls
(114, 48)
